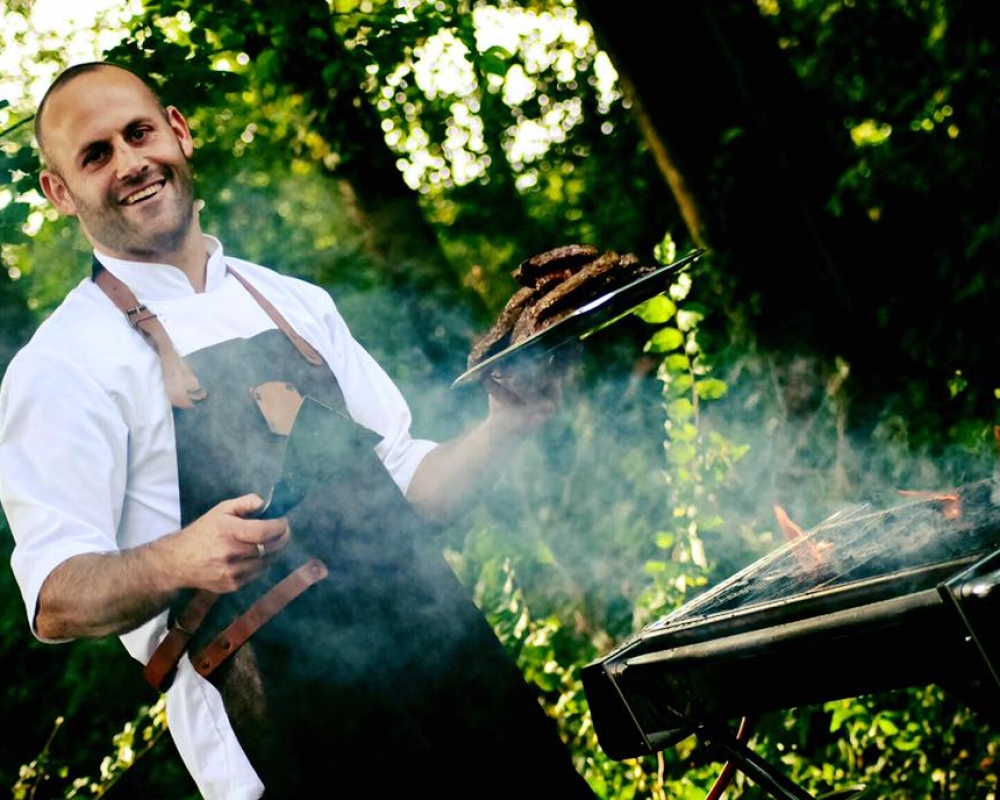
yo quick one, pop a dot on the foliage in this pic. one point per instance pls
(534, 643)
(908, 744)
(605, 524)
(911, 129)
(46, 777)
(698, 461)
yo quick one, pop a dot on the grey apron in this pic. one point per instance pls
(385, 674)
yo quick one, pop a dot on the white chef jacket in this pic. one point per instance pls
(88, 459)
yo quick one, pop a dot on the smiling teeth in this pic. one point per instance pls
(149, 191)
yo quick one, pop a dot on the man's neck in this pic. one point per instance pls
(191, 258)
(195, 267)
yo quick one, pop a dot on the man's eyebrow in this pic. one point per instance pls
(141, 120)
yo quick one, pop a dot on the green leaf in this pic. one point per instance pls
(682, 453)
(680, 410)
(886, 726)
(657, 310)
(495, 61)
(664, 340)
(677, 362)
(710, 388)
(684, 432)
(665, 540)
(711, 523)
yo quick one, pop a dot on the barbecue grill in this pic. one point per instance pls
(913, 587)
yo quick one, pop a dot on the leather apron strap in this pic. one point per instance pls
(250, 621)
(182, 384)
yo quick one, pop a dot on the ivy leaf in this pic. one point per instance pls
(657, 310)
(681, 453)
(677, 362)
(664, 340)
(710, 388)
(680, 410)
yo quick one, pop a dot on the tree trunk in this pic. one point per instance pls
(743, 144)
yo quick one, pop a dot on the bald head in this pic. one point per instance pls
(62, 81)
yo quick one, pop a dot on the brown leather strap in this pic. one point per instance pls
(301, 344)
(160, 669)
(247, 623)
(182, 384)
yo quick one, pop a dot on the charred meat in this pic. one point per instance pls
(552, 285)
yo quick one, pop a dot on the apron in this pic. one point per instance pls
(384, 674)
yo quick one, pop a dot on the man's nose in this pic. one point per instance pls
(128, 162)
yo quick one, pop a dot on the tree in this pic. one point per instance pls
(835, 182)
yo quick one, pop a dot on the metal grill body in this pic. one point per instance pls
(868, 601)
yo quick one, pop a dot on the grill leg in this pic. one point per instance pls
(753, 766)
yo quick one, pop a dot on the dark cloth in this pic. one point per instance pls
(384, 675)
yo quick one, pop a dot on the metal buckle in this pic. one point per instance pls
(138, 314)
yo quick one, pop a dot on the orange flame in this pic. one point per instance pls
(951, 503)
(810, 554)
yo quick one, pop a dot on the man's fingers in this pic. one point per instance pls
(264, 536)
(494, 387)
(278, 542)
(243, 506)
(250, 537)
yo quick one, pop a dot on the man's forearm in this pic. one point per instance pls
(450, 477)
(453, 475)
(96, 594)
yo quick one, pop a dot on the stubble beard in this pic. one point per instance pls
(109, 227)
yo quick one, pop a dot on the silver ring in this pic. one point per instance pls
(261, 552)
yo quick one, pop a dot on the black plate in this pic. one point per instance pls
(586, 320)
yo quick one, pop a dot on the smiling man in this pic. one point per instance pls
(124, 175)
(144, 431)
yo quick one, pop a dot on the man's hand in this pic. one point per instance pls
(523, 398)
(225, 549)
(453, 475)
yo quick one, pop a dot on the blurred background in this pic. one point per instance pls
(834, 345)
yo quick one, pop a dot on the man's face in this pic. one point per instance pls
(119, 165)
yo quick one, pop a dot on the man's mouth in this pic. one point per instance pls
(143, 194)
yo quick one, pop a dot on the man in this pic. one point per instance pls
(142, 433)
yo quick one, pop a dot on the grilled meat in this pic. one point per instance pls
(553, 285)
(568, 257)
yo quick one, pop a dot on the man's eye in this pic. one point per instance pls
(139, 134)
(92, 156)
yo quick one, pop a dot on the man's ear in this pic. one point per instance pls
(57, 192)
(179, 125)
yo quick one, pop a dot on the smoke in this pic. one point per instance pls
(587, 508)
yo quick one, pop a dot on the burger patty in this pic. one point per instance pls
(552, 285)
(497, 337)
(568, 257)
